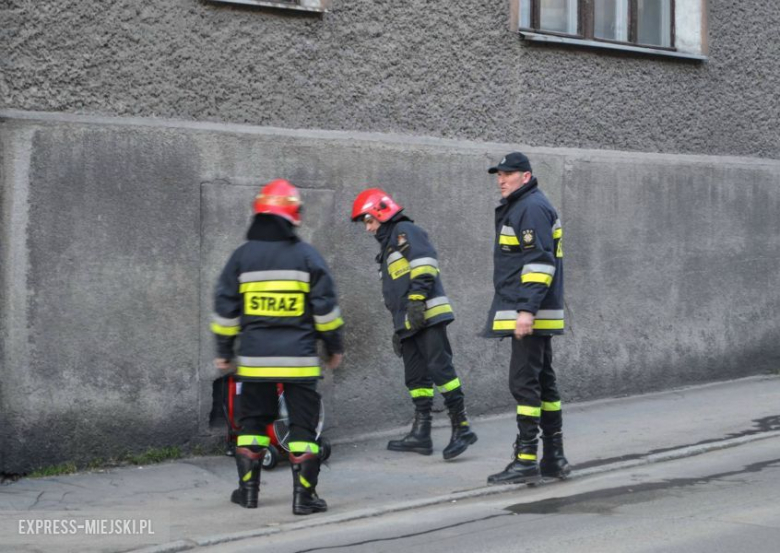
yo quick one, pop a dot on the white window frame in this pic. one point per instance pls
(689, 40)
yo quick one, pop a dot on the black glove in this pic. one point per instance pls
(416, 313)
(397, 347)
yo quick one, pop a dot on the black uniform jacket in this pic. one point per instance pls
(410, 271)
(527, 264)
(276, 293)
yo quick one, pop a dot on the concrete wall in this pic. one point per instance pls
(113, 231)
(448, 69)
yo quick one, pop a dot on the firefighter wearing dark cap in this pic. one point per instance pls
(276, 293)
(414, 294)
(528, 306)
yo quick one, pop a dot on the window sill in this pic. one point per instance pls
(315, 6)
(554, 39)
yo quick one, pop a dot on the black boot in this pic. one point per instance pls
(249, 463)
(462, 436)
(418, 439)
(554, 463)
(306, 470)
(523, 468)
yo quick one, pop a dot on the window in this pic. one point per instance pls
(675, 28)
(301, 5)
(642, 22)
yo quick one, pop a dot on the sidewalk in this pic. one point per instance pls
(362, 479)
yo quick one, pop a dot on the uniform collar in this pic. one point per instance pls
(385, 231)
(520, 192)
(270, 228)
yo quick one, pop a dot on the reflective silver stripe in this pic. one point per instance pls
(222, 321)
(423, 261)
(549, 314)
(279, 361)
(332, 316)
(557, 225)
(395, 256)
(256, 276)
(538, 268)
(505, 315)
(433, 302)
(508, 231)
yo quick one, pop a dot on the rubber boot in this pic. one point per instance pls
(462, 436)
(418, 440)
(554, 463)
(305, 471)
(523, 468)
(249, 463)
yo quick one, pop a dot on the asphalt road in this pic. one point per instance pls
(723, 501)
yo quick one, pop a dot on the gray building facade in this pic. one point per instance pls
(133, 136)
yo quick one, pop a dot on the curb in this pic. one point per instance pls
(670, 455)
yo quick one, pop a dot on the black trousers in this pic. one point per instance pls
(533, 384)
(259, 407)
(427, 362)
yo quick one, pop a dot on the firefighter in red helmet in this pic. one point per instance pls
(277, 294)
(414, 294)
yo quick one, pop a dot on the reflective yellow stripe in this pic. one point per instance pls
(505, 240)
(438, 310)
(333, 325)
(536, 277)
(305, 483)
(275, 286)
(262, 441)
(247, 476)
(504, 325)
(527, 457)
(424, 270)
(433, 312)
(416, 297)
(551, 406)
(449, 386)
(539, 324)
(278, 372)
(528, 411)
(398, 268)
(225, 330)
(303, 447)
(421, 392)
(557, 233)
(548, 324)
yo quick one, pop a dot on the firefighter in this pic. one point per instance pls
(276, 293)
(414, 294)
(528, 306)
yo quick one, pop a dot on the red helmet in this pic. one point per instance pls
(280, 197)
(375, 202)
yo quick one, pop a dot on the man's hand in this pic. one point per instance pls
(334, 361)
(525, 324)
(397, 347)
(224, 365)
(415, 310)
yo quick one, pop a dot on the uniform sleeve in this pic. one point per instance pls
(322, 297)
(535, 233)
(414, 244)
(226, 320)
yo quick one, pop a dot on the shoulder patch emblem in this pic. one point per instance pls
(401, 239)
(529, 238)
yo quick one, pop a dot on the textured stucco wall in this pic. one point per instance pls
(114, 230)
(448, 69)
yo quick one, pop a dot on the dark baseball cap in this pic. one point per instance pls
(512, 162)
